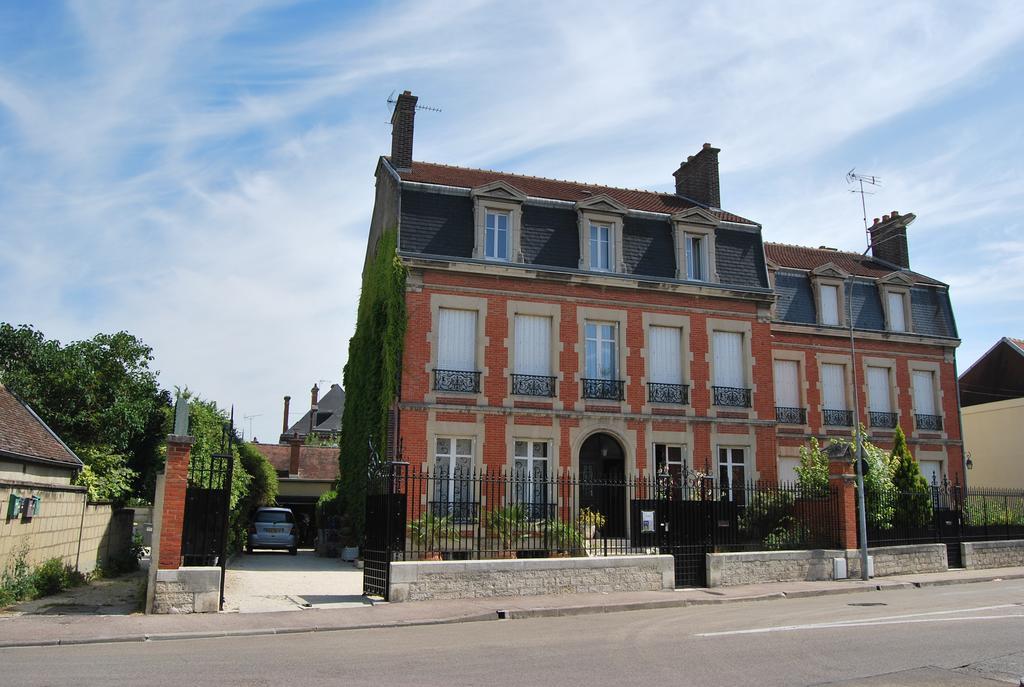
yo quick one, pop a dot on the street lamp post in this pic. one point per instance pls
(862, 520)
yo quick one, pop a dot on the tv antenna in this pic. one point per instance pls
(861, 179)
(391, 105)
(249, 418)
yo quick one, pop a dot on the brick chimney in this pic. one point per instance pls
(401, 131)
(314, 397)
(295, 445)
(697, 178)
(284, 422)
(889, 238)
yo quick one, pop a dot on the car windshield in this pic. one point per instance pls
(274, 516)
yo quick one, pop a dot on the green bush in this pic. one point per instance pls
(16, 580)
(913, 506)
(812, 473)
(769, 519)
(563, 536)
(432, 531)
(329, 510)
(994, 510)
(53, 577)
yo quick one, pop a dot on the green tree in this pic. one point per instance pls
(812, 473)
(99, 395)
(913, 506)
(371, 374)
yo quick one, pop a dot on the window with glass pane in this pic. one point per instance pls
(453, 478)
(600, 247)
(732, 474)
(496, 236)
(924, 392)
(533, 345)
(897, 316)
(600, 351)
(668, 464)
(696, 257)
(879, 396)
(456, 340)
(728, 360)
(666, 355)
(833, 381)
(829, 304)
(531, 477)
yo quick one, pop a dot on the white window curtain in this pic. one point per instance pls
(829, 304)
(833, 382)
(665, 349)
(533, 345)
(787, 384)
(728, 359)
(879, 395)
(897, 316)
(456, 340)
(601, 354)
(924, 393)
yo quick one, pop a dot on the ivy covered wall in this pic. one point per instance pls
(372, 373)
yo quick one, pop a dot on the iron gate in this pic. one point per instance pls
(207, 505)
(385, 526)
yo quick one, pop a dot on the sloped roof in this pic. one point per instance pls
(555, 189)
(998, 375)
(315, 462)
(329, 411)
(805, 258)
(24, 435)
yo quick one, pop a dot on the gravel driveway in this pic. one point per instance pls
(274, 581)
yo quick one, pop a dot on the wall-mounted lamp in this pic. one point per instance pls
(969, 463)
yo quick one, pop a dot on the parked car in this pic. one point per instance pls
(273, 528)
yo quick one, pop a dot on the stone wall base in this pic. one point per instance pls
(422, 580)
(187, 590)
(993, 554)
(755, 567)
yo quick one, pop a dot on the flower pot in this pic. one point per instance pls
(349, 553)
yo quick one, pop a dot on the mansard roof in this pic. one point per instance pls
(804, 258)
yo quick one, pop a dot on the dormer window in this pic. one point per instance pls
(696, 257)
(601, 247)
(829, 295)
(897, 314)
(895, 293)
(695, 245)
(497, 235)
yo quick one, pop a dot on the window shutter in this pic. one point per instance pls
(666, 356)
(879, 397)
(897, 318)
(829, 304)
(787, 390)
(833, 382)
(456, 340)
(924, 393)
(728, 358)
(533, 345)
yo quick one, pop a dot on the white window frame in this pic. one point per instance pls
(451, 479)
(700, 260)
(497, 197)
(697, 223)
(599, 340)
(531, 459)
(935, 401)
(797, 385)
(601, 210)
(829, 319)
(653, 364)
(596, 263)
(903, 295)
(517, 353)
(743, 365)
(888, 389)
(498, 232)
(845, 388)
(475, 344)
(730, 463)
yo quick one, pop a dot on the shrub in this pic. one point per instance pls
(53, 577)
(431, 531)
(508, 524)
(16, 580)
(563, 536)
(812, 473)
(769, 515)
(913, 505)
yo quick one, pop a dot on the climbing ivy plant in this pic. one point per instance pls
(372, 373)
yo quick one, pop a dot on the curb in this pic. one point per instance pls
(519, 614)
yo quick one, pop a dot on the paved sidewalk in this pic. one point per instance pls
(69, 629)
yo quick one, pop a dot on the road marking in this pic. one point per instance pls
(908, 618)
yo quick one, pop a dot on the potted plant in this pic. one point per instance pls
(590, 521)
(508, 526)
(431, 532)
(563, 538)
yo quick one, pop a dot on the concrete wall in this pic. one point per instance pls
(422, 580)
(994, 433)
(37, 473)
(187, 590)
(993, 554)
(83, 535)
(754, 567)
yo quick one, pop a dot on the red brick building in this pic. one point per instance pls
(560, 326)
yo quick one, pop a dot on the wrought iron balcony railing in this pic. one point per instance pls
(837, 418)
(883, 420)
(929, 422)
(533, 385)
(461, 511)
(668, 393)
(731, 396)
(457, 380)
(604, 389)
(791, 416)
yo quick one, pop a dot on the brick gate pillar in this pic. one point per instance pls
(172, 515)
(844, 490)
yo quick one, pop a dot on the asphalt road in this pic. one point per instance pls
(956, 635)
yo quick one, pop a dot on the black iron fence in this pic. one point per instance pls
(730, 396)
(531, 513)
(603, 389)
(946, 513)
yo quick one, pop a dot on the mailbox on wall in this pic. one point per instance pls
(30, 507)
(14, 507)
(25, 507)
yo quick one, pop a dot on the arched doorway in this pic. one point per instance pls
(603, 481)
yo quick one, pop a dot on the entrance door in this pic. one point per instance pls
(603, 481)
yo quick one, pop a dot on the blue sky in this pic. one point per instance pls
(201, 174)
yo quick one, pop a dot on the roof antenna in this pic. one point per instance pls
(861, 179)
(391, 105)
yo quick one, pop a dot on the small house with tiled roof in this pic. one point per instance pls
(565, 326)
(29, 449)
(992, 394)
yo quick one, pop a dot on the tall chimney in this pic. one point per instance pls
(697, 178)
(889, 238)
(401, 131)
(284, 422)
(295, 445)
(314, 396)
